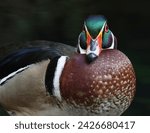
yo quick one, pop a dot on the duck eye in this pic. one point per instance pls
(106, 28)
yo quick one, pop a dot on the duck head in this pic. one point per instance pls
(95, 37)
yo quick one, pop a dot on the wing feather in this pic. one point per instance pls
(24, 57)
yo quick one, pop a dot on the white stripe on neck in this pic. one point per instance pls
(12, 74)
(113, 42)
(56, 81)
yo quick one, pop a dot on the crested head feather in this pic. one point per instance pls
(94, 24)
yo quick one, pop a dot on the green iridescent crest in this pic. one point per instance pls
(94, 24)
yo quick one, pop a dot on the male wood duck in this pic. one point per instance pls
(96, 80)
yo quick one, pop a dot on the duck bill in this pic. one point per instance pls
(94, 48)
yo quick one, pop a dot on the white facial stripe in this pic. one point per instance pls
(86, 29)
(12, 74)
(56, 81)
(82, 51)
(113, 42)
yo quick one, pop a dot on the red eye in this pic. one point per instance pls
(106, 28)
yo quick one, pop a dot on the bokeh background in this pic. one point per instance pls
(62, 20)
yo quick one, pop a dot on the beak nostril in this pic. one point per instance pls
(91, 57)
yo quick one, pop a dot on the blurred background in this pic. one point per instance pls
(61, 21)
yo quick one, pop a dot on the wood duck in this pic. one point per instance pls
(98, 79)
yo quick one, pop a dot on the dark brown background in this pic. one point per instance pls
(62, 20)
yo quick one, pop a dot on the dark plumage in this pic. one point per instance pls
(36, 51)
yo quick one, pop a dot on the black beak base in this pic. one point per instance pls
(91, 57)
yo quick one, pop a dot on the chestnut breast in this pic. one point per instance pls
(108, 79)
